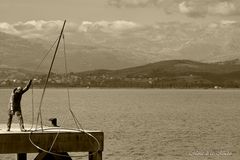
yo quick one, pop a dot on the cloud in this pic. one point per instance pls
(201, 8)
(45, 29)
(223, 23)
(131, 3)
(7, 28)
(223, 8)
(164, 4)
(32, 29)
(228, 22)
(191, 8)
(106, 26)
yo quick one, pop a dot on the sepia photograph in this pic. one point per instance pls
(120, 79)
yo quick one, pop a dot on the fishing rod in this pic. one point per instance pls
(46, 82)
(78, 124)
(34, 71)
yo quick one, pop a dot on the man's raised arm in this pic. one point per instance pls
(27, 86)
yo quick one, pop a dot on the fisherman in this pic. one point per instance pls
(15, 105)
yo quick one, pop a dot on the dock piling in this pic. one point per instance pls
(22, 156)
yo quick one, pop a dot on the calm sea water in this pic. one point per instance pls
(147, 124)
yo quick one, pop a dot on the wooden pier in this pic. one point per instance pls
(67, 140)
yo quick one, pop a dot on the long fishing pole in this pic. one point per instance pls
(34, 71)
(49, 72)
(78, 124)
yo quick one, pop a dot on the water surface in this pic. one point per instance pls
(146, 124)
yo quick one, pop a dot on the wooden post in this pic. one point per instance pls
(95, 156)
(22, 156)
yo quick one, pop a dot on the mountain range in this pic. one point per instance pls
(17, 52)
(171, 73)
(174, 68)
(98, 48)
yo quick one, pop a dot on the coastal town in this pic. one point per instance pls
(74, 80)
(96, 80)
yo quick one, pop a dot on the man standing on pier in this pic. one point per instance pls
(15, 105)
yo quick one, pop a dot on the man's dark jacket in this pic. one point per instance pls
(16, 96)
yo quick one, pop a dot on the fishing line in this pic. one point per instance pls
(35, 70)
(77, 123)
(32, 109)
(46, 82)
(56, 154)
(49, 50)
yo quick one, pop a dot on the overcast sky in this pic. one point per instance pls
(155, 27)
(139, 11)
(28, 17)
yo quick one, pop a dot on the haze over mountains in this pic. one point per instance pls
(117, 44)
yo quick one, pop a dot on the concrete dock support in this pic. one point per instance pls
(67, 141)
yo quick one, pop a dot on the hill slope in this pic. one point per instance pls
(176, 67)
(173, 73)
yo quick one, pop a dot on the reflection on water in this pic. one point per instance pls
(146, 123)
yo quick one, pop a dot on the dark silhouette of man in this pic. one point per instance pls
(15, 105)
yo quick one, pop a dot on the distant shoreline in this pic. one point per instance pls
(176, 74)
(51, 87)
